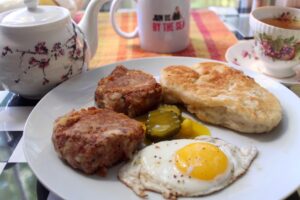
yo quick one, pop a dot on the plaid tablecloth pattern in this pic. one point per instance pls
(209, 38)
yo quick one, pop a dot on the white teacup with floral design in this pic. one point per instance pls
(278, 48)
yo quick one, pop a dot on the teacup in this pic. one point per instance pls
(277, 39)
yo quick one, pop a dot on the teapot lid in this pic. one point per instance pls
(33, 16)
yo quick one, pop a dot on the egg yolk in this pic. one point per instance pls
(203, 161)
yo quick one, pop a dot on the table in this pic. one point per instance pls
(209, 39)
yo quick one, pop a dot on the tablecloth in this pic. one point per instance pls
(209, 38)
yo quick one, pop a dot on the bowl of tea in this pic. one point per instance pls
(277, 39)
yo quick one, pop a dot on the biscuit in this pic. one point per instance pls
(223, 96)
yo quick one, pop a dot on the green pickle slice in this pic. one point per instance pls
(171, 108)
(162, 124)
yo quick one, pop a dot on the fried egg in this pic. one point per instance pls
(186, 167)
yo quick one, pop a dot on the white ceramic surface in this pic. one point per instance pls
(277, 47)
(274, 174)
(243, 54)
(163, 25)
(42, 47)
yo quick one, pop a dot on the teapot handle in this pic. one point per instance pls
(114, 6)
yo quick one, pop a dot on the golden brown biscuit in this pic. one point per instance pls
(221, 95)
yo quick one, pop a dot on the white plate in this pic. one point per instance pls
(242, 54)
(274, 174)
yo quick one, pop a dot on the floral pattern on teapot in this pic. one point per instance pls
(42, 54)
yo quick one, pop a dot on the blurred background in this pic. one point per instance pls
(242, 5)
(234, 13)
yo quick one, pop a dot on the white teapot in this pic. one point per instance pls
(40, 46)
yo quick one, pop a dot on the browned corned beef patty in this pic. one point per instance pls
(93, 139)
(131, 92)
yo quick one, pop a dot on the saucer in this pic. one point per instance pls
(243, 54)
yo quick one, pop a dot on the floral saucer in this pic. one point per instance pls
(243, 54)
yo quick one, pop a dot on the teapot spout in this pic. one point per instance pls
(89, 24)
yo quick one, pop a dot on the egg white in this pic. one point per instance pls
(153, 168)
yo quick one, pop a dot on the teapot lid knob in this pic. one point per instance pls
(33, 15)
(31, 4)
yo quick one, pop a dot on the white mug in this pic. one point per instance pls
(163, 25)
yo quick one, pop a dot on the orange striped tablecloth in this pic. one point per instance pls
(209, 38)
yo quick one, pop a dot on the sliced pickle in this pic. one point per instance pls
(162, 125)
(171, 108)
